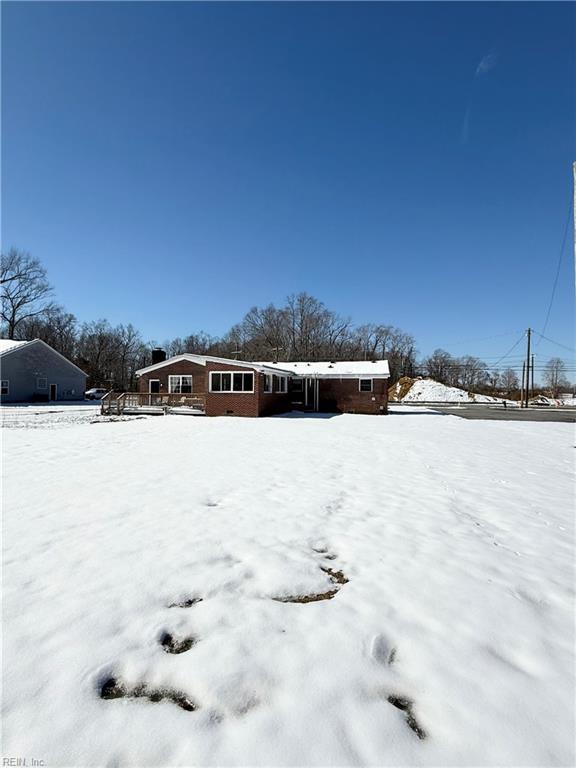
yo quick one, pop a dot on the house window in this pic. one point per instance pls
(42, 383)
(5, 387)
(297, 385)
(281, 384)
(179, 384)
(231, 381)
(268, 382)
(365, 385)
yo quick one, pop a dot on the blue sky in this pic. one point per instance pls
(174, 164)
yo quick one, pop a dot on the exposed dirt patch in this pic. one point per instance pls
(407, 706)
(186, 603)
(400, 389)
(173, 644)
(314, 598)
(336, 577)
(112, 688)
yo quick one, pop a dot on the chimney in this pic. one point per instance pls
(158, 355)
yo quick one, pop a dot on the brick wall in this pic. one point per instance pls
(231, 403)
(343, 395)
(272, 402)
(182, 368)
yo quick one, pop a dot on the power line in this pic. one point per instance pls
(555, 342)
(560, 255)
(512, 348)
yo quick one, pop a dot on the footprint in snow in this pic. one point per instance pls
(407, 706)
(186, 602)
(337, 578)
(382, 650)
(113, 688)
(173, 644)
(384, 653)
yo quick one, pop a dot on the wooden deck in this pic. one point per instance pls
(154, 403)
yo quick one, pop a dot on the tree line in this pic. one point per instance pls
(302, 329)
(472, 374)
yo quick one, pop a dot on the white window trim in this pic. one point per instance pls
(282, 384)
(231, 391)
(269, 378)
(365, 390)
(180, 376)
(44, 379)
(5, 384)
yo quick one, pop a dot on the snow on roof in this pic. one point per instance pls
(7, 344)
(352, 370)
(341, 369)
(203, 359)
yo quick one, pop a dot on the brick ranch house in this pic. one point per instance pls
(237, 388)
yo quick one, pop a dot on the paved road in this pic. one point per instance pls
(499, 413)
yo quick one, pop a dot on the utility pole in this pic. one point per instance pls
(522, 385)
(532, 375)
(527, 392)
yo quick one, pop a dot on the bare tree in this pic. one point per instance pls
(555, 375)
(400, 351)
(26, 291)
(56, 327)
(509, 381)
(128, 343)
(438, 366)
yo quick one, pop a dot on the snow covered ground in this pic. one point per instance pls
(299, 591)
(49, 415)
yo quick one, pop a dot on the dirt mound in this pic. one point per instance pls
(400, 389)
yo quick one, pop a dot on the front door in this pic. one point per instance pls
(154, 386)
(309, 394)
(53, 391)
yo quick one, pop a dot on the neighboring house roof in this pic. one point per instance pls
(353, 369)
(8, 346)
(203, 359)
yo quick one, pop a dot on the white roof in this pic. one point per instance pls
(7, 344)
(203, 359)
(352, 369)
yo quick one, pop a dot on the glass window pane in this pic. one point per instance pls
(237, 382)
(365, 385)
(226, 382)
(216, 382)
(186, 385)
(248, 382)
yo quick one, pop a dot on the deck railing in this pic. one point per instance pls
(120, 402)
